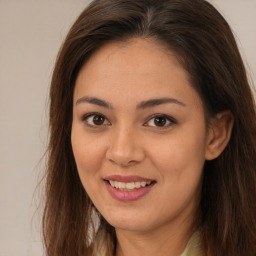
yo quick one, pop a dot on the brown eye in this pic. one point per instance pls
(160, 121)
(98, 120)
(95, 120)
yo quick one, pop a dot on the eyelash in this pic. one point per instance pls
(169, 120)
(86, 117)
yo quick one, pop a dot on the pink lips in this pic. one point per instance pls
(128, 196)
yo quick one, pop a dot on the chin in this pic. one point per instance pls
(132, 226)
(129, 222)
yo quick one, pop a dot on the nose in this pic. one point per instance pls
(125, 148)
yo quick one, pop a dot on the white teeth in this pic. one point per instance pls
(130, 185)
(121, 185)
(137, 184)
(126, 186)
(143, 183)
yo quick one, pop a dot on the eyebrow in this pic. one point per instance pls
(95, 101)
(142, 105)
(158, 101)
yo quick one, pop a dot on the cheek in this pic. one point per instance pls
(180, 164)
(181, 155)
(89, 155)
(88, 151)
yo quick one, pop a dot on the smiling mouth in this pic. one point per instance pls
(129, 186)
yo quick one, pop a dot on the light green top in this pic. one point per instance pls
(193, 247)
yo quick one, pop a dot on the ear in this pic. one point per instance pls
(219, 134)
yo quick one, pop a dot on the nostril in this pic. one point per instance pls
(125, 157)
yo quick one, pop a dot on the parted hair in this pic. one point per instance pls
(206, 48)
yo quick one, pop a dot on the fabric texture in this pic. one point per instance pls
(194, 246)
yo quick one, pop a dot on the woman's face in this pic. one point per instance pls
(139, 136)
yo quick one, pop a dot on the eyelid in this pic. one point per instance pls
(168, 118)
(86, 117)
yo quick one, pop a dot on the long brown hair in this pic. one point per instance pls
(206, 47)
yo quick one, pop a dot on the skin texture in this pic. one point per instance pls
(129, 142)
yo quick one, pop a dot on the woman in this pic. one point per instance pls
(152, 148)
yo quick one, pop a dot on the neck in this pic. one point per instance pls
(166, 240)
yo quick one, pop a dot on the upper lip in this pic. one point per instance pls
(131, 178)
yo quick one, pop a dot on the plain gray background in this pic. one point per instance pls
(31, 32)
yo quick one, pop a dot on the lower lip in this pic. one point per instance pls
(128, 196)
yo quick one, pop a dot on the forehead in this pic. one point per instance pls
(135, 70)
(140, 55)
